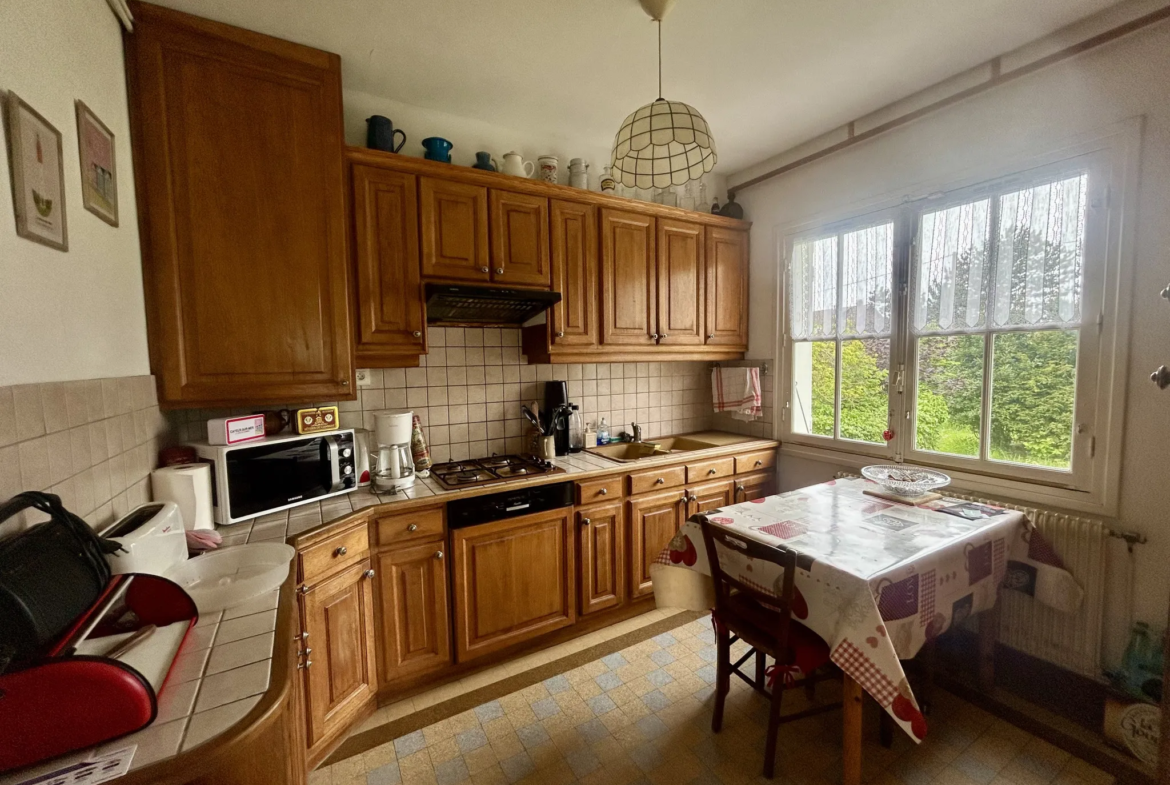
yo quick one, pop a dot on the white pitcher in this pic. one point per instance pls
(517, 166)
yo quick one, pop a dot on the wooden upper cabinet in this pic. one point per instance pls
(514, 580)
(412, 584)
(680, 283)
(628, 279)
(727, 288)
(238, 145)
(601, 547)
(389, 298)
(338, 615)
(519, 233)
(573, 232)
(454, 220)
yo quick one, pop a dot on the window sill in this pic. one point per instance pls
(1017, 491)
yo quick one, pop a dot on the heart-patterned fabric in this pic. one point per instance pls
(876, 579)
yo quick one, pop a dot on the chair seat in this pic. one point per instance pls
(757, 625)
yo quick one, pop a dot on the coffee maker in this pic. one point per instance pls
(556, 414)
(391, 465)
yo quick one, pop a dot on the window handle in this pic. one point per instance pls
(1166, 293)
(1161, 377)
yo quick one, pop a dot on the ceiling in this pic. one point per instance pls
(766, 74)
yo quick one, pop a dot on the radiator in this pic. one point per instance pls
(1070, 640)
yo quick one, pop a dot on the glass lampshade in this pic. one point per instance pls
(663, 144)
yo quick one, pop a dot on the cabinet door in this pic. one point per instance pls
(710, 496)
(727, 287)
(754, 486)
(389, 298)
(628, 279)
(573, 231)
(454, 220)
(653, 521)
(237, 142)
(338, 614)
(601, 549)
(412, 591)
(519, 232)
(514, 580)
(681, 309)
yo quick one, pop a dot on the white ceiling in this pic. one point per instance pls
(766, 74)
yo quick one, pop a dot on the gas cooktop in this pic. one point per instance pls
(463, 474)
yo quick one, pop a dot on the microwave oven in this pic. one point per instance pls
(277, 473)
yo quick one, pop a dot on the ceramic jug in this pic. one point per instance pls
(578, 173)
(438, 149)
(380, 133)
(517, 166)
(549, 166)
(485, 162)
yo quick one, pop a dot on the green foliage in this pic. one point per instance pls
(1033, 394)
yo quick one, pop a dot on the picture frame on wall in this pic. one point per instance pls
(38, 174)
(99, 172)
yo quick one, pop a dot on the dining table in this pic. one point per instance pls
(876, 579)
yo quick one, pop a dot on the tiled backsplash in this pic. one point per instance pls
(469, 388)
(91, 442)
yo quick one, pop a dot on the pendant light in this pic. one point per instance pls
(663, 143)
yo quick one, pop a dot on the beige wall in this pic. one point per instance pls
(1085, 95)
(78, 314)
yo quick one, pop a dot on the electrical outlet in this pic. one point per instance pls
(363, 377)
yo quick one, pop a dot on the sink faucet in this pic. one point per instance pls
(637, 437)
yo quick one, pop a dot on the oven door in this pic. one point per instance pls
(266, 477)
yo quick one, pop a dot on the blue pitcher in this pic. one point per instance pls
(438, 149)
(380, 134)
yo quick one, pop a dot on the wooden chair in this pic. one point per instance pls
(764, 621)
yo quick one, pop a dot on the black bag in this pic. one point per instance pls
(50, 575)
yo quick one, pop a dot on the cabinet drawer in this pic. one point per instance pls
(710, 470)
(339, 551)
(754, 461)
(409, 526)
(605, 489)
(657, 479)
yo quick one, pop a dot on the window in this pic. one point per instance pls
(964, 330)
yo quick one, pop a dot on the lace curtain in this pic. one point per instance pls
(861, 308)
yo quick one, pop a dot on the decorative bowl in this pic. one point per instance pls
(906, 480)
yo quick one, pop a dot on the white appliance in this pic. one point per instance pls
(279, 472)
(152, 538)
(189, 486)
(394, 469)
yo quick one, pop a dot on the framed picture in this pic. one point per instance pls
(99, 173)
(38, 175)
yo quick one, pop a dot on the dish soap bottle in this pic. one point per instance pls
(602, 433)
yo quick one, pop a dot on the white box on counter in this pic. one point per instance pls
(234, 430)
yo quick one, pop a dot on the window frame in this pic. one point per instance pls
(1112, 159)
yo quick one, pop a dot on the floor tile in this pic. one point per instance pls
(409, 744)
(470, 740)
(489, 711)
(517, 767)
(387, 774)
(601, 704)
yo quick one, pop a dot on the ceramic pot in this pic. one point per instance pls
(380, 133)
(485, 162)
(731, 209)
(438, 149)
(517, 166)
(578, 173)
(550, 165)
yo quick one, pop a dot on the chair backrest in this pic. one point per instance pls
(721, 542)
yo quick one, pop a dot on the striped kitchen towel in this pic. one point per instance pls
(737, 391)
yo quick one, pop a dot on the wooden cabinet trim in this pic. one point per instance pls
(755, 461)
(397, 529)
(657, 479)
(337, 552)
(712, 469)
(600, 490)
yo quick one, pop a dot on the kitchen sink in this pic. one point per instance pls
(629, 452)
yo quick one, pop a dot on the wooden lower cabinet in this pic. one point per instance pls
(338, 617)
(514, 580)
(414, 627)
(750, 487)
(601, 549)
(653, 520)
(710, 496)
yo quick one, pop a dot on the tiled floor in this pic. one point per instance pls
(643, 715)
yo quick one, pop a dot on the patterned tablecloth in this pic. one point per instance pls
(875, 579)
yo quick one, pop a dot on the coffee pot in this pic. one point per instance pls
(517, 166)
(380, 133)
(392, 465)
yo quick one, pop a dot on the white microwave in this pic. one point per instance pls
(277, 473)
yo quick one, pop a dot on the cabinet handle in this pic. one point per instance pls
(660, 481)
(344, 382)
(654, 336)
(341, 551)
(304, 590)
(438, 554)
(664, 335)
(585, 521)
(306, 652)
(417, 333)
(738, 490)
(499, 271)
(710, 336)
(712, 471)
(1166, 293)
(758, 464)
(483, 269)
(412, 527)
(1161, 377)
(561, 334)
(369, 573)
(603, 492)
(305, 665)
(301, 637)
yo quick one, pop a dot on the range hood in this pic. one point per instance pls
(477, 305)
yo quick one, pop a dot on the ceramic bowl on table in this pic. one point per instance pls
(906, 480)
